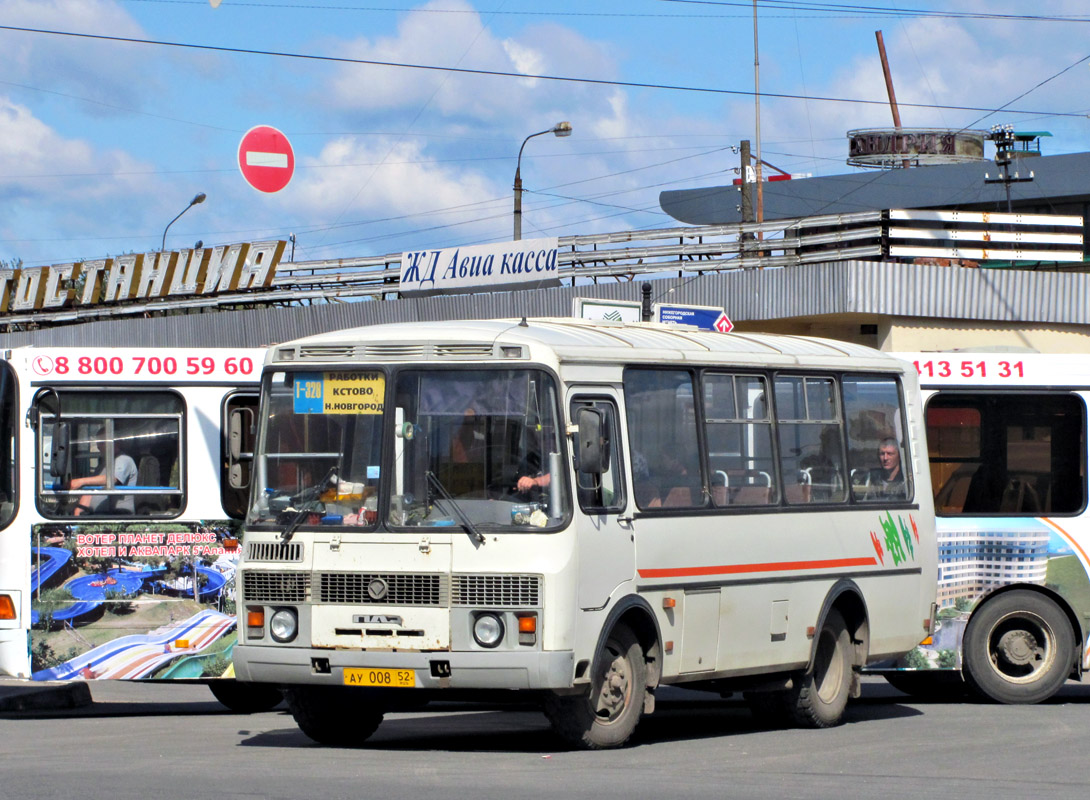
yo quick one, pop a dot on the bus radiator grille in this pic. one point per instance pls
(386, 589)
(497, 591)
(275, 587)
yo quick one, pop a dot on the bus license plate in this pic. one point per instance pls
(393, 678)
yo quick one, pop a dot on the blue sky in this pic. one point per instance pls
(103, 142)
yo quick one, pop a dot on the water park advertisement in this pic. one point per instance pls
(117, 600)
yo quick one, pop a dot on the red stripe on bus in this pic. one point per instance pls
(778, 566)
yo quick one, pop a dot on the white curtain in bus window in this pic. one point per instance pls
(1016, 454)
(739, 436)
(663, 433)
(810, 439)
(878, 456)
(125, 455)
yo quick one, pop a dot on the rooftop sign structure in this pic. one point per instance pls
(889, 148)
(252, 274)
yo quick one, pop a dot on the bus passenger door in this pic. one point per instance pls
(605, 547)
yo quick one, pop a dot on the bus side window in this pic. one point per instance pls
(878, 457)
(810, 439)
(602, 493)
(739, 435)
(1016, 454)
(666, 462)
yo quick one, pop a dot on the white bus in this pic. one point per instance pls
(123, 478)
(1007, 444)
(583, 511)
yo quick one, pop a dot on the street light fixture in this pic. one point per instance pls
(195, 201)
(559, 129)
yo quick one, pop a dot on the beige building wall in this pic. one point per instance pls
(908, 334)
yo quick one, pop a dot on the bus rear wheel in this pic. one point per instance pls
(332, 715)
(820, 695)
(1018, 648)
(608, 716)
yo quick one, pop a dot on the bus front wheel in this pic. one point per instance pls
(1018, 648)
(607, 716)
(820, 695)
(333, 715)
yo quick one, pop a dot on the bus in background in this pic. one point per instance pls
(579, 512)
(1006, 434)
(125, 476)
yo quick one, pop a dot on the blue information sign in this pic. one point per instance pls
(702, 317)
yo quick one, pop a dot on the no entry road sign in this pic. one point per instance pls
(265, 159)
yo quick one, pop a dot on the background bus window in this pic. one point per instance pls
(1021, 454)
(738, 431)
(810, 439)
(602, 493)
(872, 409)
(132, 439)
(663, 434)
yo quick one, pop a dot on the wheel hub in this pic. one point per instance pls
(614, 693)
(1019, 648)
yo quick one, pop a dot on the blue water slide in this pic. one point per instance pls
(99, 657)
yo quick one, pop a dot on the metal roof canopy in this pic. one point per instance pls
(843, 287)
(1057, 180)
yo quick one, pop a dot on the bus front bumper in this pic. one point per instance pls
(432, 670)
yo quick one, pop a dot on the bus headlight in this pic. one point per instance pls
(488, 630)
(283, 625)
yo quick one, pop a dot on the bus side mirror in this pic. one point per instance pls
(591, 441)
(59, 466)
(239, 422)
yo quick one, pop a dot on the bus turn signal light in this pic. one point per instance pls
(255, 618)
(528, 629)
(7, 607)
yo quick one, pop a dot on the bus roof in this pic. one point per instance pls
(573, 340)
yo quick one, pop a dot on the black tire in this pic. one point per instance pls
(608, 715)
(334, 716)
(1018, 648)
(820, 695)
(928, 684)
(246, 698)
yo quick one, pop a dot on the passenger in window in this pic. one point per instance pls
(675, 486)
(887, 481)
(124, 475)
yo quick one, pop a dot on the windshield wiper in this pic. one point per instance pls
(307, 500)
(463, 518)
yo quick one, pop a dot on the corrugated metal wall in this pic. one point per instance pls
(843, 287)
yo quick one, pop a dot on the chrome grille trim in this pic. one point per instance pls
(260, 586)
(274, 551)
(504, 591)
(404, 589)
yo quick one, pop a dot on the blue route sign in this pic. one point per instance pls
(707, 318)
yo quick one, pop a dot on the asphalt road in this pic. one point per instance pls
(152, 741)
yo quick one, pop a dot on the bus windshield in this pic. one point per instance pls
(482, 445)
(320, 447)
(476, 447)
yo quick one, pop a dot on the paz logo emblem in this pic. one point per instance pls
(377, 589)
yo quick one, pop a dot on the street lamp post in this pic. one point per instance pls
(560, 129)
(195, 201)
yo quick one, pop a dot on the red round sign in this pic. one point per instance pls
(265, 159)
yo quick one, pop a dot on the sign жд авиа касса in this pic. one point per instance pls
(522, 264)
